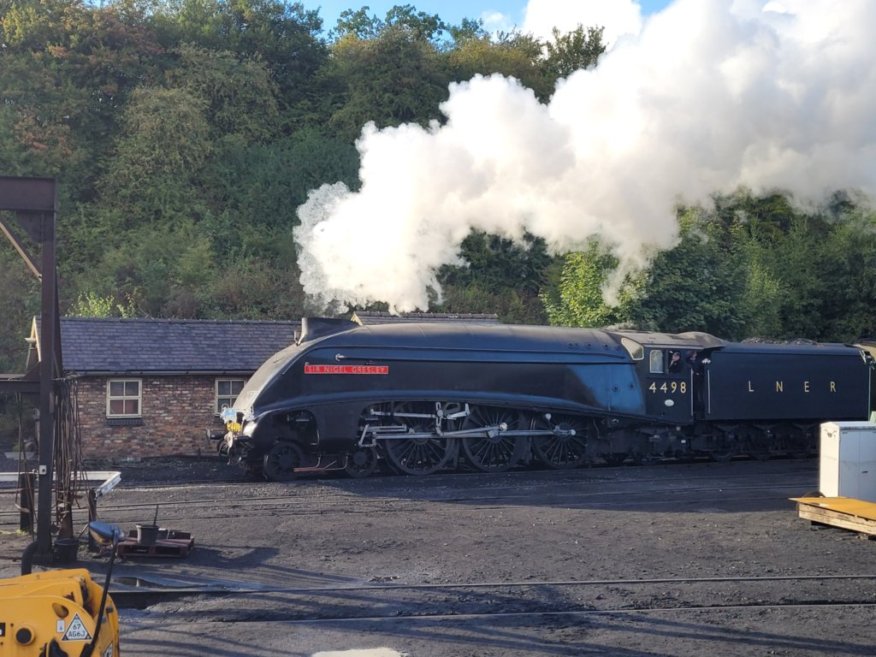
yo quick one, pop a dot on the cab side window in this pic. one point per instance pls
(655, 360)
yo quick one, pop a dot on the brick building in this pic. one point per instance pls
(150, 387)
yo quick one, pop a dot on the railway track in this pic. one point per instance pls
(375, 601)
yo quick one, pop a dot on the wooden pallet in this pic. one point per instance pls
(170, 543)
(844, 512)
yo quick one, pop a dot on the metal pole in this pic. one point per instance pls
(26, 500)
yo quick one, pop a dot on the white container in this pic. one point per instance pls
(848, 460)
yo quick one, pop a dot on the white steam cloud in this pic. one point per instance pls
(708, 96)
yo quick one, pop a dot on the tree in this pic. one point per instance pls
(578, 300)
(696, 286)
(575, 50)
(238, 94)
(392, 79)
(500, 276)
(65, 72)
(468, 28)
(850, 272)
(360, 25)
(512, 55)
(253, 190)
(165, 144)
(282, 35)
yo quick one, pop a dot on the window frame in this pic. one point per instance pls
(124, 397)
(656, 364)
(217, 409)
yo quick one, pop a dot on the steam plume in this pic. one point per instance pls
(709, 96)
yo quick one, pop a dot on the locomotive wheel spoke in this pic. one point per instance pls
(279, 463)
(362, 462)
(493, 452)
(419, 456)
(567, 448)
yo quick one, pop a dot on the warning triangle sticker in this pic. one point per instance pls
(77, 631)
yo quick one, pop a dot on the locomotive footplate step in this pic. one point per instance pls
(844, 512)
(169, 543)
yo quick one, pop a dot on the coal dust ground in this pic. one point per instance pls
(669, 559)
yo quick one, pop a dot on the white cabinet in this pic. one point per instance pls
(848, 460)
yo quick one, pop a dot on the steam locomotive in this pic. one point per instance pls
(430, 396)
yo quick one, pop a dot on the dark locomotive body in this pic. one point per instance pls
(428, 396)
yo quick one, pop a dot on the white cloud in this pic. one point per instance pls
(496, 21)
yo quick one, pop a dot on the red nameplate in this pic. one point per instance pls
(346, 369)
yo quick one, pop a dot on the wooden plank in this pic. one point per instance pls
(161, 548)
(825, 516)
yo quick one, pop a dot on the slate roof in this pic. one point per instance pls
(371, 318)
(170, 346)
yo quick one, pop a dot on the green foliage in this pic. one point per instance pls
(578, 299)
(66, 69)
(239, 96)
(500, 277)
(283, 36)
(513, 56)
(567, 53)
(753, 266)
(360, 25)
(392, 79)
(698, 285)
(254, 289)
(467, 29)
(255, 189)
(163, 147)
(90, 304)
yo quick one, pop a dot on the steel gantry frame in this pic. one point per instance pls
(33, 204)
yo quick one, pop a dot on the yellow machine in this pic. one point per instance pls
(57, 613)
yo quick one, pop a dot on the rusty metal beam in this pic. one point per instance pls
(18, 383)
(27, 194)
(19, 246)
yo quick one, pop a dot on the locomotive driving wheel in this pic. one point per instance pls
(566, 447)
(493, 451)
(423, 454)
(279, 464)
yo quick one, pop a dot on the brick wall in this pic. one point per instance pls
(175, 412)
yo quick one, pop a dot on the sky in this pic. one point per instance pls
(497, 14)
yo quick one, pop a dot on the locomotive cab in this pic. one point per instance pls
(670, 367)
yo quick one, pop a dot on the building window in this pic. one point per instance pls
(123, 397)
(227, 391)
